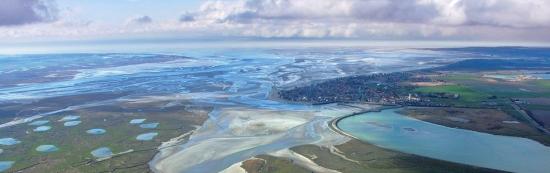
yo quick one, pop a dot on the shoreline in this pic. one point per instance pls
(333, 124)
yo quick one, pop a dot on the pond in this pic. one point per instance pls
(146, 136)
(9, 141)
(70, 118)
(149, 125)
(137, 121)
(5, 165)
(102, 152)
(42, 128)
(71, 123)
(46, 148)
(96, 131)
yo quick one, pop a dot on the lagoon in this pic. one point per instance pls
(391, 130)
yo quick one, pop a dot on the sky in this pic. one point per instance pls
(29, 21)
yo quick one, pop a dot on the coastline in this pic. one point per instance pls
(333, 124)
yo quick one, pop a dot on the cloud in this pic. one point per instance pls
(376, 18)
(490, 20)
(20, 12)
(140, 20)
(508, 13)
(187, 17)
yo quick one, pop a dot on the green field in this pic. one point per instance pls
(75, 144)
(467, 95)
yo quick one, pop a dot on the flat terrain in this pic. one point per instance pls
(75, 144)
(491, 121)
(356, 157)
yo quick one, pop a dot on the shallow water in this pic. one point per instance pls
(42, 128)
(5, 165)
(391, 130)
(38, 122)
(146, 136)
(9, 141)
(46, 148)
(96, 131)
(137, 121)
(213, 77)
(149, 125)
(71, 123)
(102, 152)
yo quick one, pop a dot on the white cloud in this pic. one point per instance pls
(368, 19)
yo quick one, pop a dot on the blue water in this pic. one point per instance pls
(137, 121)
(42, 128)
(9, 141)
(46, 148)
(391, 130)
(70, 118)
(71, 123)
(5, 165)
(149, 125)
(146, 136)
(213, 77)
(39, 122)
(96, 131)
(102, 152)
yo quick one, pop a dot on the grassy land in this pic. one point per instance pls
(270, 164)
(364, 157)
(481, 120)
(75, 144)
(545, 84)
(467, 95)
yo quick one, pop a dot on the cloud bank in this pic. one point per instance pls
(20, 12)
(523, 20)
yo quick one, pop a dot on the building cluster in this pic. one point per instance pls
(382, 88)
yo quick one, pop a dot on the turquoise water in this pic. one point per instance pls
(102, 152)
(137, 121)
(9, 141)
(42, 128)
(146, 136)
(70, 118)
(39, 122)
(5, 165)
(71, 123)
(46, 148)
(149, 125)
(96, 131)
(391, 130)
